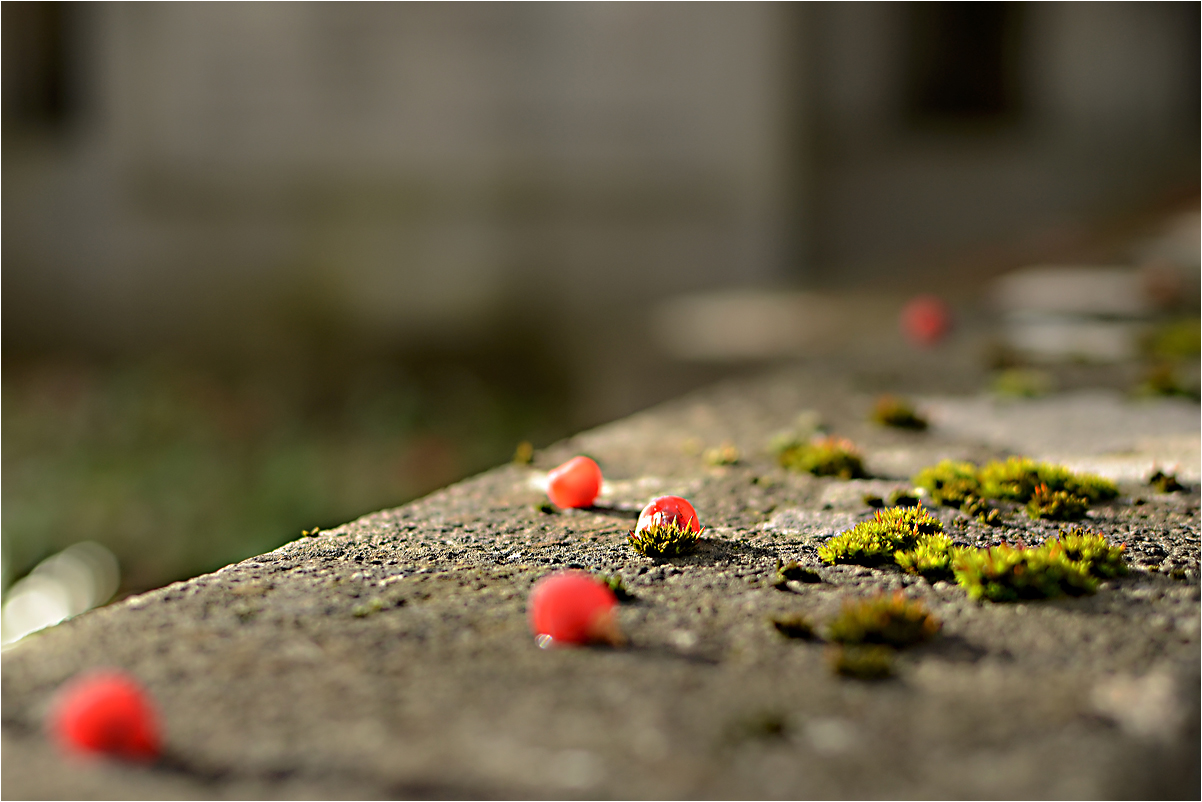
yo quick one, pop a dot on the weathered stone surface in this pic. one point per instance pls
(391, 657)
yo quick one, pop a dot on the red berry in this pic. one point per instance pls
(576, 483)
(925, 320)
(106, 712)
(668, 510)
(571, 607)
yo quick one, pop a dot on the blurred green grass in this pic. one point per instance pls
(181, 470)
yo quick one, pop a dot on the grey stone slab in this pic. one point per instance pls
(272, 686)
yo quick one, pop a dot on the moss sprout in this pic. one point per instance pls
(893, 411)
(1022, 382)
(1165, 482)
(862, 662)
(1092, 551)
(726, 454)
(826, 456)
(1179, 339)
(930, 558)
(1056, 505)
(1018, 478)
(1007, 573)
(963, 485)
(618, 587)
(794, 625)
(664, 540)
(368, 608)
(524, 453)
(874, 542)
(888, 620)
(793, 572)
(949, 483)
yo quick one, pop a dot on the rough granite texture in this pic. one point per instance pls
(390, 657)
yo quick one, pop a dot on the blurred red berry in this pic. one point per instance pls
(106, 712)
(925, 320)
(572, 607)
(576, 483)
(669, 510)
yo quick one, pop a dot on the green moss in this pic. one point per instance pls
(524, 453)
(794, 625)
(793, 572)
(370, 607)
(1022, 383)
(886, 620)
(874, 542)
(827, 456)
(862, 662)
(963, 485)
(892, 411)
(949, 483)
(665, 540)
(1182, 338)
(546, 508)
(1092, 551)
(617, 587)
(1056, 505)
(1165, 482)
(1007, 573)
(931, 558)
(726, 454)
(762, 725)
(1018, 478)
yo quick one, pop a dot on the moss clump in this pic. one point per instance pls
(664, 540)
(930, 558)
(1165, 482)
(1022, 383)
(949, 483)
(885, 620)
(617, 587)
(1180, 339)
(794, 625)
(368, 608)
(1007, 573)
(1093, 552)
(827, 456)
(524, 453)
(1056, 505)
(726, 454)
(963, 485)
(1018, 478)
(893, 411)
(874, 542)
(793, 572)
(862, 662)
(898, 498)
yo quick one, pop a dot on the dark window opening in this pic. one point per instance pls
(964, 62)
(37, 90)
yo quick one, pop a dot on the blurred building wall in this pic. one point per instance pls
(235, 170)
(941, 126)
(243, 175)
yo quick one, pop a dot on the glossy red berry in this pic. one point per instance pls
(576, 483)
(573, 608)
(669, 510)
(925, 320)
(107, 712)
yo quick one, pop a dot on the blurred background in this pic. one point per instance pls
(268, 267)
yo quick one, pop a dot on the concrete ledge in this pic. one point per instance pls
(390, 657)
